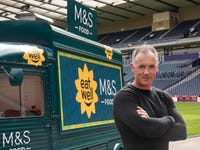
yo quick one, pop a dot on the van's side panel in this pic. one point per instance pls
(87, 81)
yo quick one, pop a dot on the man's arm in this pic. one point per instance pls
(176, 132)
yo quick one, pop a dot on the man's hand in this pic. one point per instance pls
(142, 113)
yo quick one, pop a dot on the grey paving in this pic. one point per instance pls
(191, 143)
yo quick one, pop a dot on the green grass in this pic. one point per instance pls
(191, 114)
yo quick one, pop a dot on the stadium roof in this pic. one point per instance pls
(107, 10)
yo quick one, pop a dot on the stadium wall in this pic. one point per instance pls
(126, 25)
(181, 56)
(189, 13)
(186, 13)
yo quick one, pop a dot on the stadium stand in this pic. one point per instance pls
(128, 75)
(115, 38)
(182, 29)
(155, 35)
(178, 74)
(163, 83)
(185, 29)
(124, 37)
(171, 72)
(179, 68)
(187, 87)
(137, 35)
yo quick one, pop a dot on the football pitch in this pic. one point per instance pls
(191, 114)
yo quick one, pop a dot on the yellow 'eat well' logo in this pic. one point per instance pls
(86, 94)
(34, 55)
(109, 52)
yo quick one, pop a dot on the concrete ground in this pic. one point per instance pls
(191, 143)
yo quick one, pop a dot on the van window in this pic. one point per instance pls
(26, 100)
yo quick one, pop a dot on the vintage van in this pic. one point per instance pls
(56, 89)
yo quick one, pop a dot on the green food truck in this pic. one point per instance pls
(56, 89)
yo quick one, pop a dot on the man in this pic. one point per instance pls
(146, 117)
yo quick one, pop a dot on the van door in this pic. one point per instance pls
(24, 111)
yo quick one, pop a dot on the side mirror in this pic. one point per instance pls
(16, 76)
